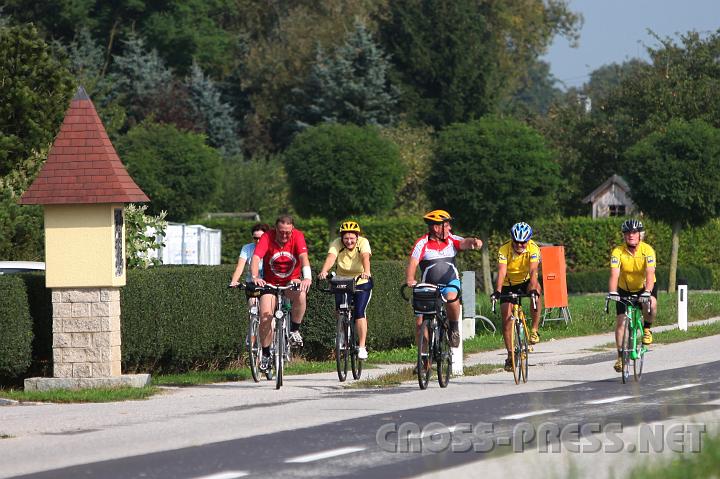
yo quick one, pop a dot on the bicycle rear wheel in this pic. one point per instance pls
(356, 362)
(254, 349)
(279, 355)
(424, 353)
(625, 348)
(444, 357)
(341, 347)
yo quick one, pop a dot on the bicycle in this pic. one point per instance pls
(519, 347)
(280, 352)
(346, 339)
(433, 339)
(631, 346)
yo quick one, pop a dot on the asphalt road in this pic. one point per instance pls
(315, 428)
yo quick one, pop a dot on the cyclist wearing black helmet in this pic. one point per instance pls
(435, 253)
(632, 271)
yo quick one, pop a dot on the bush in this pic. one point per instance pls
(177, 318)
(16, 327)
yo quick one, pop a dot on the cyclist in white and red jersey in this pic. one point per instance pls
(435, 254)
(284, 256)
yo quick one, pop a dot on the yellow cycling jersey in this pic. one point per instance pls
(349, 262)
(518, 265)
(632, 266)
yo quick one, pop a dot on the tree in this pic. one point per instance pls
(415, 144)
(348, 86)
(177, 170)
(259, 184)
(36, 91)
(683, 160)
(206, 102)
(491, 173)
(336, 171)
(456, 61)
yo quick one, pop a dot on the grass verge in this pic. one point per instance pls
(80, 395)
(400, 376)
(700, 465)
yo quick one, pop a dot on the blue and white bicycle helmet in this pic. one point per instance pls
(630, 226)
(521, 232)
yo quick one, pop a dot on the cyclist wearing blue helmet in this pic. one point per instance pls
(518, 261)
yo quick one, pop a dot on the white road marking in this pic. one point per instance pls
(430, 433)
(224, 475)
(529, 414)
(683, 386)
(324, 455)
(609, 400)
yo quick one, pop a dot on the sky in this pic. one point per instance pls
(616, 30)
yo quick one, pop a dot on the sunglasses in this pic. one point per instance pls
(520, 243)
(256, 238)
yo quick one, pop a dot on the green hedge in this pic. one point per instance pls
(697, 277)
(15, 327)
(185, 317)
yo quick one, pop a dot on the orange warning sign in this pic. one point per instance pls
(553, 275)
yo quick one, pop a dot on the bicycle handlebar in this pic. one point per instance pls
(631, 300)
(268, 288)
(328, 279)
(533, 296)
(435, 286)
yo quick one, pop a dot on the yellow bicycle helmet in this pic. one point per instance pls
(437, 217)
(349, 227)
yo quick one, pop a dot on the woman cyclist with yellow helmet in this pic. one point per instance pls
(352, 252)
(435, 254)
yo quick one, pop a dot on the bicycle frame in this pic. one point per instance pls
(433, 339)
(346, 333)
(520, 349)
(632, 324)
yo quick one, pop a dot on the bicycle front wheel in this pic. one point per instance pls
(341, 348)
(279, 355)
(515, 352)
(254, 349)
(524, 351)
(355, 361)
(638, 362)
(625, 348)
(424, 354)
(444, 357)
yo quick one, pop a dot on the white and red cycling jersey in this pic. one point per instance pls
(437, 258)
(281, 263)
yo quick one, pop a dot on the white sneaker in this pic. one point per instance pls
(296, 339)
(362, 353)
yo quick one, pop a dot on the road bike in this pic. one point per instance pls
(346, 338)
(631, 346)
(519, 346)
(433, 337)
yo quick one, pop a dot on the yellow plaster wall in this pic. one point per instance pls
(80, 246)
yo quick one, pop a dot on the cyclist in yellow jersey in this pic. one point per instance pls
(352, 252)
(518, 261)
(632, 271)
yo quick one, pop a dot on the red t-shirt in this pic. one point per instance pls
(281, 264)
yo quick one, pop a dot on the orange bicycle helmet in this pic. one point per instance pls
(349, 227)
(437, 217)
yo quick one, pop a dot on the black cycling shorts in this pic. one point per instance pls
(620, 307)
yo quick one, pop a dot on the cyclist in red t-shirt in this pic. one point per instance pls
(283, 252)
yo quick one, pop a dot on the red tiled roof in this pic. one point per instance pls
(82, 166)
